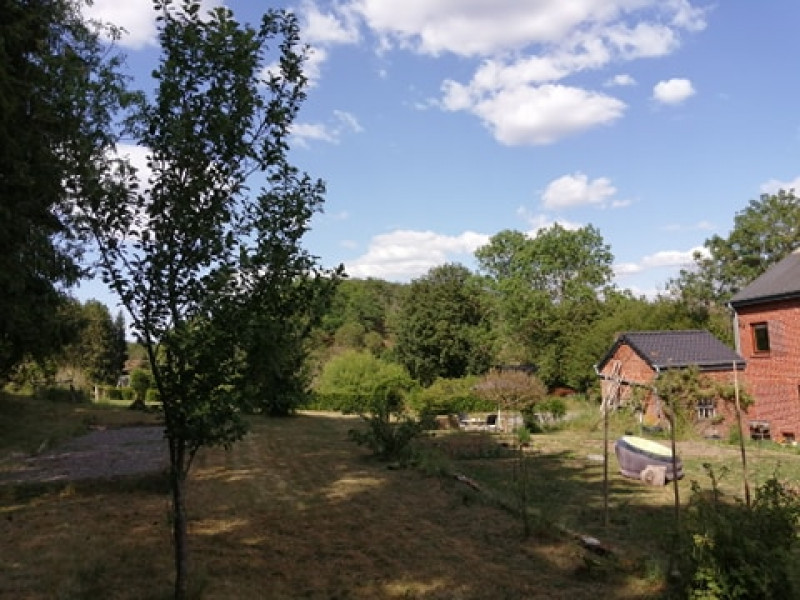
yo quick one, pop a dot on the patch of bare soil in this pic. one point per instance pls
(104, 453)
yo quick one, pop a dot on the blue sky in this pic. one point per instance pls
(438, 123)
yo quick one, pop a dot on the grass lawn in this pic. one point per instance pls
(296, 510)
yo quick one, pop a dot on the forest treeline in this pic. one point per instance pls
(547, 302)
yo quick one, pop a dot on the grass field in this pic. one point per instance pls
(296, 510)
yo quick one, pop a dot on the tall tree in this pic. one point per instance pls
(59, 91)
(96, 349)
(549, 289)
(763, 233)
(443, 327)
(215, 238)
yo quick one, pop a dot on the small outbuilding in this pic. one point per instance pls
(630, 367)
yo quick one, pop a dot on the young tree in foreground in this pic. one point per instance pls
(197, 256)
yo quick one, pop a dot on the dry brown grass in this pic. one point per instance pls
(296, 510)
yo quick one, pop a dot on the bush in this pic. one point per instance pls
(357, 378)
(390, 430)
(342, 402)
(153, 396)
(737, 552)
(450, 396)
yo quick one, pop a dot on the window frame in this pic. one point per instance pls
(755, 329)
(706, 409)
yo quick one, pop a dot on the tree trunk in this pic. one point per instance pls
(177, 478)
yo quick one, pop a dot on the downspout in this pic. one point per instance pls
(736, 339)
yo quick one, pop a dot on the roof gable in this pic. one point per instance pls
(779, 282)
(678, 349)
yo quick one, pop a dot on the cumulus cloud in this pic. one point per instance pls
(535, 115)
(335, 27)
(405, 254)
(497, 26)
(577, 190)
(673, 91)
(526, 48)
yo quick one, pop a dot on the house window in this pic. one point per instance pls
(706, 408)
(760, 338)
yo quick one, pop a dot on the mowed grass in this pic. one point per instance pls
(296, 510)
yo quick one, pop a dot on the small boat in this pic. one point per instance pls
(635, 454)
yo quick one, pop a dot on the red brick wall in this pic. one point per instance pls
(773, 378)
(635, 369)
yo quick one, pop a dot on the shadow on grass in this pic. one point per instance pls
(299, 510)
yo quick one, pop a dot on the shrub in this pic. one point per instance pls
(152, 396)
(141, 381)
(358, 377)
(450, 396)
(545, 414)
(390, 430)
(738, 552)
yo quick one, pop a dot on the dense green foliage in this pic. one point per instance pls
(736, 552)
(98, 346)
(450, 396)
(354, 378)
(549, 290)
(443, 327)
(59, 89)
(213, 259)
(763, 233)
(390, 429)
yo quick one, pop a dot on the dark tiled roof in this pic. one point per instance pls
(675, 349)
(780, 281)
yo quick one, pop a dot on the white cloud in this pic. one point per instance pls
(538, 221)
(577, 190)
(526, 45)
(536, 115)
(658, 260)
(136, 17)
(621, 80)
(773, 186)
(337, 27)
(481, 28)
(644, 40)
(331, 132)
(402, 255)
(303, 133)
(673, 91)
(348, 121)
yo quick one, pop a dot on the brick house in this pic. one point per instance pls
(767, 330)
(629, 369)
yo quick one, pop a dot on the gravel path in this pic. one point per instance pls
(103, 453)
